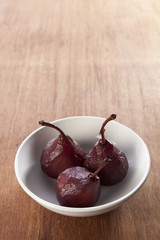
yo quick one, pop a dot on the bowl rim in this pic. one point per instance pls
(83, 209)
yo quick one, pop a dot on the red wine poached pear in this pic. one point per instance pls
(60, 153)
(115, 171)
(78, 187)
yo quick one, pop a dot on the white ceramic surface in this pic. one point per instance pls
(83, 129)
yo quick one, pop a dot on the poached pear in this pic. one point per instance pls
(78, 187)
(60, 153)
(116, 170)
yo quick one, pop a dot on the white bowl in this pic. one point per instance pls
(83, 129)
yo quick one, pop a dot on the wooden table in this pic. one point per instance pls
(79, 57)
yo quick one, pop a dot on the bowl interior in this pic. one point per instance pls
(85, 131)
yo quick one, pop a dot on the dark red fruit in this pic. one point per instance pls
(60, 153)
(116, 170)
(78, 187)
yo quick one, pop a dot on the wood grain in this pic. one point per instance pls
(67, 58)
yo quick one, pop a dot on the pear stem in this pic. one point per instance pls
(105, 161)
(112, 117)
(47, 124)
